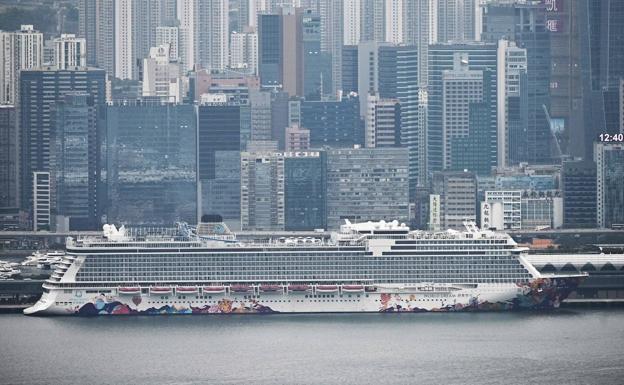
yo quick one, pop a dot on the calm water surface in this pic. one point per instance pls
(563, 347)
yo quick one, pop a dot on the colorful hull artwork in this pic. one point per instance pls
(538, 294)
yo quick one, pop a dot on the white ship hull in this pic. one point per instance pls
(541, 293)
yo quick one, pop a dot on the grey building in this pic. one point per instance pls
(317, 64)
(305, 195)
(367, 184)
(75, 171)
(609, 184)
(262, 191)
(480, 57)
(39, 91)
(218, 162)
(578, 185)
(526, 25)
(456, 199)
(349, 69)
(150, 163)
(8, 157)
(333, 123)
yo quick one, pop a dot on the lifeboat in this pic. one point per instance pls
(130, 290)
(241, 288)
(160, 290)
(298, 287)
(370, 289)
(326, 288)
(270, 288)
(352, 288)
(186, 289)
(213, 289)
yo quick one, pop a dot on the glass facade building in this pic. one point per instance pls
(218, 161)
(305, 190)
(578, 184)
(335, 124)
(150, 163)
(610, 184)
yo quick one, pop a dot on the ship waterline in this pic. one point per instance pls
(365, 267)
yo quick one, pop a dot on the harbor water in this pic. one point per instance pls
(567, 346)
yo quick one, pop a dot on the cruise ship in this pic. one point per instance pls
(364, 267)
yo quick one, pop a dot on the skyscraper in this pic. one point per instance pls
(332, 36)
(244, 51)
(75, 168)
(305, 187)
(150, 162)
(333, 123)
(455, 199)
(420, 30)
(70, 51)
(39, 91)
(383, 122)
(317, 65)
(529, 32)
(480, 57)
(8, 157)
(351, 20)
(218, 161)
(578, 184)
(609, 159)
(21, 50)
(262, 191)
(161, 76)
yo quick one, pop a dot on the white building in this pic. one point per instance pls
(170, 36)
(492, 216)
(244, 50)
(512, 207)
(124, 50)
(394, 21)
(351, 20)
(421, 29)
(161, 76)
(459, 20)
(383, 122)
(41, 201)
(19, 50)
(70, 51)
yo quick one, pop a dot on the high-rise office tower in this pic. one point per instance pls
(305, 190)
(529, 32)
(349, 69)
(512, 103)
(458, 20)
(480, 57)
(218, 161)
(332, 35)
(383, 122)
(70, 51)
(600, 25)
(150, 162)
(75, 168)
(317, 65)
(461, 87)
(420, 29)
(351, 20)
(39, 91)
(367, 184)
(609, 158)
(161, 76)
(262, 191)
(260, 102)
(280, 50)
(333, 123)
(8, 157)
(391, 71)
(21, 50)
(578, 184)
(297, 138)
(244, 51)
